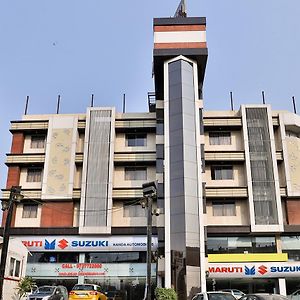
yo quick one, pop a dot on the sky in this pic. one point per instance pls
(75, 48)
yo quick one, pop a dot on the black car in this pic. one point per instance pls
(46, 292)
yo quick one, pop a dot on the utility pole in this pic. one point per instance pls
(149, 193)
(15, 196)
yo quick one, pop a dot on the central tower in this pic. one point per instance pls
(180, 55)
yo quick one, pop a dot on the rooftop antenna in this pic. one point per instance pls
(92, 101)
(26, 105)
(124, 103)
(181, 10)
(231, 100)
(263, 97)
(294, 105)
(58, 103)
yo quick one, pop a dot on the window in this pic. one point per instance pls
(220, 138)
(136, 140)
(224, 209)
(134, 211)
(29, 210)
(34, 175)
(37, 142)
(221, 172)
(135, 173)
(14, 267)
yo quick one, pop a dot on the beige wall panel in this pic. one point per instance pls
(78, 177)
(120, 182)
(80, 143)
(293, 149)
(118, 219)
(278, 141)
(60, 157)
(28, 185)
(120, 145)
(238, 177)
(27, 146)
(237, 143)
(27, 222)
(241, 218)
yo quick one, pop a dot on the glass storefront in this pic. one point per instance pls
(221, 245)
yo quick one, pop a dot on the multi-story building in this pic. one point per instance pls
(227, 183)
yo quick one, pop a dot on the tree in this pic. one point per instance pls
(25, 285)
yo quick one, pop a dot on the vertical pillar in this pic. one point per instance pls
(282, 286)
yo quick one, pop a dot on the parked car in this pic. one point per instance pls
(46, 292)
(87, 292)
(294, 296)
(113, 295)
(214, 296)
(263, 296)
(236, 293)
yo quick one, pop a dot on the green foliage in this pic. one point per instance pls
(165, 294)
(25, 285)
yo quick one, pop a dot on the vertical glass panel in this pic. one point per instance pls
(261, 164)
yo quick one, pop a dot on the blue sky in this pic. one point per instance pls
(77, 48)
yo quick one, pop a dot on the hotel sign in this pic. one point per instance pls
(254, 270)
(86, 243)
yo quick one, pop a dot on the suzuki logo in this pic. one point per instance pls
(50, 245)
(262, 269)
(62, 244)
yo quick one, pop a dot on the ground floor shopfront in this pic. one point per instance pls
(263, 277)
(113, 262)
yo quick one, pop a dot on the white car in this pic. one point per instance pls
(236, 293)
(214, 296)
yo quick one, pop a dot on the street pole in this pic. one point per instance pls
(14, 193)
(149, 244)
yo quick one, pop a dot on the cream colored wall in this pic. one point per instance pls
(120, 143)
(27, 222)
(293, 149)
(27, 146)
(28, 185)
(119, 220)
(76, 214)
(241, 218)
(77, 177)
(119, 178)
(278, 141)
(281, 174)
(80, 143)
(239, 178)
(237, 143)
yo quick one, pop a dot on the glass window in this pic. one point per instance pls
(221, 172)
(63, 257)
(220, 138)
(224, 209)
(37, 142)
(11, 266)
(29, 211)
(111, 257)
(264, 244)
(291, 245)
(131, 211)
(17, 268)
(135, 173)
(136, 140)
(34, 175)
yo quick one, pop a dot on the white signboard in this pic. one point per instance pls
(86, 243)
(88, 270)
(254, 270)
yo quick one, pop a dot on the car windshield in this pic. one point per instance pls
(83, 287)
(220, 296)
(45, 290)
